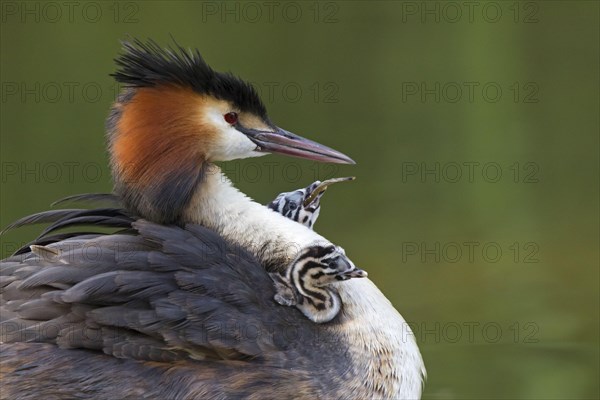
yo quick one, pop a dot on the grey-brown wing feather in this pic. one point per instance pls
(167, 293)
(107, 199)
(34, 370)
(155, 312)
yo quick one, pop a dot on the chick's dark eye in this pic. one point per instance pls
(231, 117)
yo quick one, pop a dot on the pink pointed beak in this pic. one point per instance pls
(284, 142)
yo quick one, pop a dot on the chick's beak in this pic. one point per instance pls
(356, 273)
(321, 188)
(284, 142)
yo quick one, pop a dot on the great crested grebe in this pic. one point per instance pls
(179, 303)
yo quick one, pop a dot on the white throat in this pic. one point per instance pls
(218, 205)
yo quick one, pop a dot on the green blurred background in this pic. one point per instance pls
(434, 100)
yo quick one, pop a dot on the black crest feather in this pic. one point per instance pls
(146, 64)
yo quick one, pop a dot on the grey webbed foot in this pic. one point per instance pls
(284, 293)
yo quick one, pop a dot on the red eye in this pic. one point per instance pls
(231, 117)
